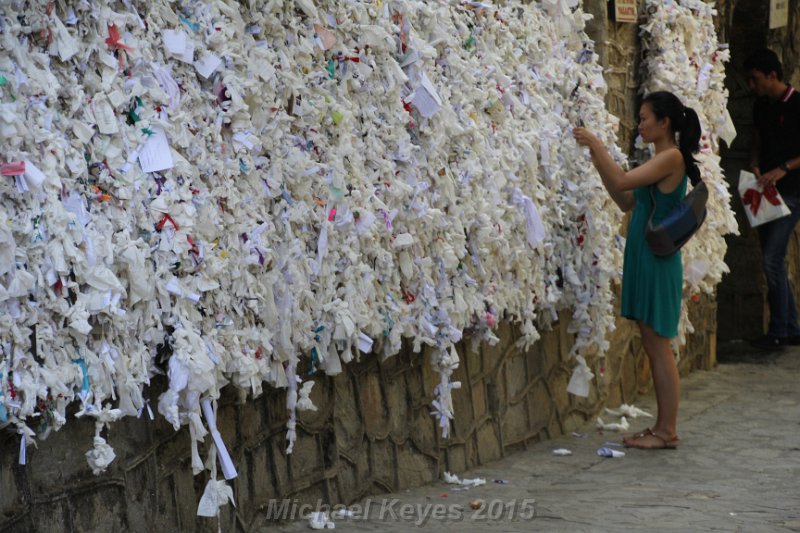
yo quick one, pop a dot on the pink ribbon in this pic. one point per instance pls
(12, 169)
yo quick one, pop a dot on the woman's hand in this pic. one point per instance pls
(612, 175)
(584, 137)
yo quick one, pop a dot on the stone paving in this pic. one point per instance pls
(737, 469)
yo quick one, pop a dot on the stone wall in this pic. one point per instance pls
(373, 432)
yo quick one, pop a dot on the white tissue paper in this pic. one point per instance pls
(216, 494)
(320, 520)
(622, 425)
(629, 411)
(581, 378)
(455, 480)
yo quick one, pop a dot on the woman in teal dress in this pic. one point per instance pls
(652, 286)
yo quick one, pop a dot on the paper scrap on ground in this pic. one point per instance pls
(622, 425)
(628, 411)
(608, 452)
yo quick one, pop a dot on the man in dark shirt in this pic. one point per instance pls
(775, 160)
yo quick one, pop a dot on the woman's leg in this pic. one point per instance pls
(666, 382)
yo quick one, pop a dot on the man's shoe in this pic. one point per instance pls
(768, 343)
(792, 340)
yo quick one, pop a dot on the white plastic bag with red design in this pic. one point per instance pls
(761, 205)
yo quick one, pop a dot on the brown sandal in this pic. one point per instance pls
(659, 443)
(642, 433)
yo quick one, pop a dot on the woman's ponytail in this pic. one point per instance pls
(689, 142)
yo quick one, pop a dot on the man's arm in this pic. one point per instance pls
(772, 175)
(781, 171)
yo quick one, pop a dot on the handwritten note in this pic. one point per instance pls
(155, 155)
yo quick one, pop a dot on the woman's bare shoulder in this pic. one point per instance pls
(671, 154)
(671, 161)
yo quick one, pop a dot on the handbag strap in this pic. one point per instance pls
(653, 210)
(653, 198)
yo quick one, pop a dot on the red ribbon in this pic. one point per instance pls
(752, 197)
(408, 296)
(164, 220)
(113, 39)
(193, 249)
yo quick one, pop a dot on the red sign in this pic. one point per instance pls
(625, 11)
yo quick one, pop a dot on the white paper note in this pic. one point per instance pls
(207, 64)
(364, 343)
(83, 131)
(66, 44)
(108, 60)
(155, 155)
(174, 41)
(104, 116)
(33, 175)
(326, 38)
(425, 98)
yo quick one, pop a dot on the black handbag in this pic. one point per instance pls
(679, 225)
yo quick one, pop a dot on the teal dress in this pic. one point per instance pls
(652, 286)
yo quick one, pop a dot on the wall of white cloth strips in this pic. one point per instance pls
(254, 183)
(682, 55)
